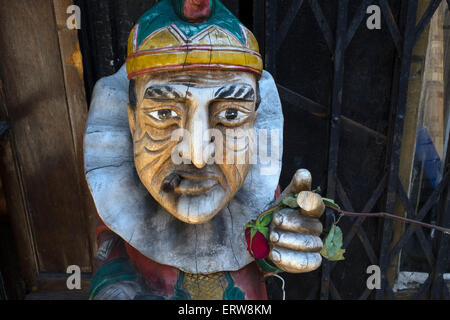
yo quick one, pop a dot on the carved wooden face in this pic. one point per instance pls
(191, 147)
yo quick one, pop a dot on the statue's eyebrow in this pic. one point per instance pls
(236, 91)
(162, 93)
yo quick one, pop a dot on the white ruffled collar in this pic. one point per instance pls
(128, 209)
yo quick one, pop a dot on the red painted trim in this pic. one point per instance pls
(191, 48)
(229, 34)
(101, 227)
(162, 278)
(251, 281)
(135, 36)
(244, 35)
(277, 193)
(180, 33)
(151, 34)
(195, 66)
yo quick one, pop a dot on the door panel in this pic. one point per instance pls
(47, 117)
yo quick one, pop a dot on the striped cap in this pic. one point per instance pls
(191, 34)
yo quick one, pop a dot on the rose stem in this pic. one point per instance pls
(390, 216)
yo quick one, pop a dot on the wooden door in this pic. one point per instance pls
(43, 100)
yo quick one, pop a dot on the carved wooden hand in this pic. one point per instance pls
(294, 234)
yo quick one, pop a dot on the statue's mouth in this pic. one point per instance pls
(187, 186)
(183, 182)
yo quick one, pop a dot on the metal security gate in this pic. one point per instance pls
(338, 35)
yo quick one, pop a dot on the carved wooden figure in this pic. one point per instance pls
(169, 150)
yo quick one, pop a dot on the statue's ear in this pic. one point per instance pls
(131, 119)
(132, 105)
(258, 96)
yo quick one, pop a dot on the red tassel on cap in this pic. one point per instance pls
(196, 10)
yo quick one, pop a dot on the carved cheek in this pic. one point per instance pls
(235, 161)
(152, 148)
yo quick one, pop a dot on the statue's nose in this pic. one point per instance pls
(200, 148)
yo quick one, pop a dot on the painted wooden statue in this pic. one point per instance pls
(171, 210)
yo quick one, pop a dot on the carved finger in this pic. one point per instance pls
(295, 241)
(291, 220)
(301, 181)
(311, 204)
(295, 261)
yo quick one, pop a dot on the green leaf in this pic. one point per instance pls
(252, 233)
(331, 203)
(332, 247)
(333, 242)
(268, 266)
(265, 221)
(251, 224)
(264, 231)
(290, 201)
(337, 257)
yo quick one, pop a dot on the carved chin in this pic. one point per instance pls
(200, 208)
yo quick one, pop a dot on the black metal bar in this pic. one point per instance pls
(271, 36)
(392, 25)
(422, 213)
(343, 196)
(423, 288)
(323, 24)
(397, 141)
(337, 98)
(424, 243)
(302, 102)
(336, 105)
(365, 294)
(390, 292)
(426, 247)
(361, 233)
(367, 246)
(376, 195)
(287, 22)
(321, 111)
(367, 208)
(357, 19)
(259, 24)
(426, 18)
(334, 293)
(350, 124)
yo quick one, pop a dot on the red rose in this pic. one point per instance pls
(258, 247)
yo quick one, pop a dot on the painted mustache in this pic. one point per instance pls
(190, 182)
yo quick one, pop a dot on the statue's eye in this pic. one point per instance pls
(232, 115)
(164, 114)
